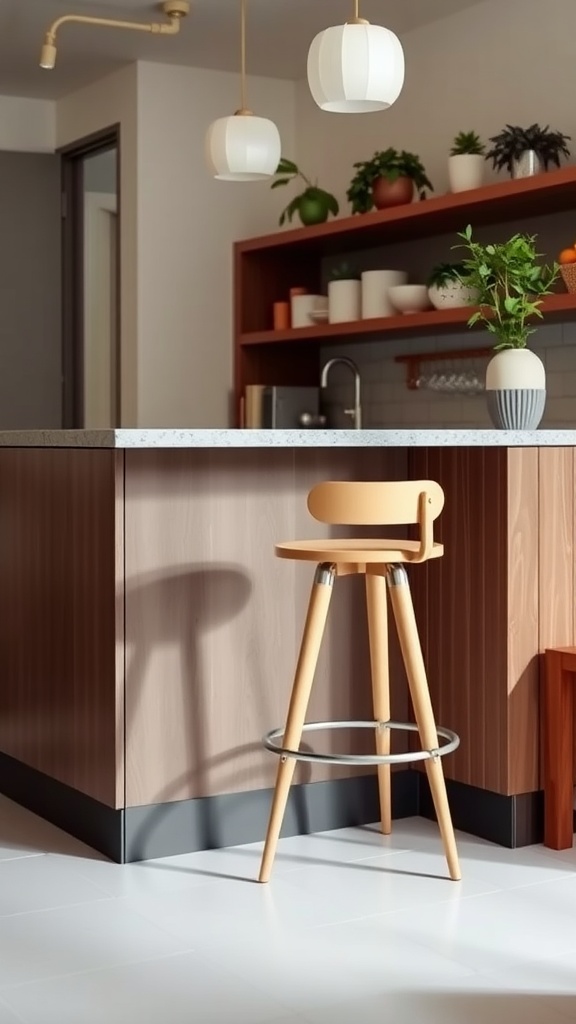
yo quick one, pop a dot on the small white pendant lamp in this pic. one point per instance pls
(243, 147)
(355, 68)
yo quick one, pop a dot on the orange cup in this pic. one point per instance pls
(281, 314)
(298, 291)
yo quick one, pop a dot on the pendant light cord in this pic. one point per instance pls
(356, 19)
(243, 54)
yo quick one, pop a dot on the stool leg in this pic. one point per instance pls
(378, 634)
(420, 694)
(309, 650)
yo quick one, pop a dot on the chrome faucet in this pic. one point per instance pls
(356, 412)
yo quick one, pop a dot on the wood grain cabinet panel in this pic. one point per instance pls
(213, 619)
(61, 561)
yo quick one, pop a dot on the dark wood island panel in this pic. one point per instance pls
(61, 628)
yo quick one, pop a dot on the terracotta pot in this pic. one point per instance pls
(392, 193)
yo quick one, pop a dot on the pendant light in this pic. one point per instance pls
(243, 147)
(355, 68)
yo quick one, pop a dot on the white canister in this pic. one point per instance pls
(343, 301)
(302, 305)
(375, 285)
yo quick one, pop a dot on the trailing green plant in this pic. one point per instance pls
(345, 272)
(510, 283)
(391, 165)
(313, 205)
(443, 273)
(513, 141)
(467, 143)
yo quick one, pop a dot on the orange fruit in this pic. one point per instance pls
(567, 256)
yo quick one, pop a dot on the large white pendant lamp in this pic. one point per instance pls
(243, 147)
(355, 68)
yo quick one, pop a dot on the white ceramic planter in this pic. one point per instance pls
(465, 171)
(452, 295)
(343, 301)
(376, 285)
(516, 389)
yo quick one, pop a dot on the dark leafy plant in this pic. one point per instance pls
(443, 273)
(512, 142)
(345, 272)
(510, 284)
(389, 164)
(467, 143)
(313, 205)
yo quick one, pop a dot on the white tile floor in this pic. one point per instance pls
(355, 928)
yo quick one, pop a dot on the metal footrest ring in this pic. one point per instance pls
(453, 739)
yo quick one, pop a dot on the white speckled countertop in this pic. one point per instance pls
(179, 438)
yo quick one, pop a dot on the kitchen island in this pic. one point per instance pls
(149, 634)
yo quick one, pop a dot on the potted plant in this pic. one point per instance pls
(313, 205)
(511, 285)
(524, 152)
(388, 179)
(466, 162)
(448, 287)
(344, 293)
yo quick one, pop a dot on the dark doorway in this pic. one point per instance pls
(91, 281)
(30, 283)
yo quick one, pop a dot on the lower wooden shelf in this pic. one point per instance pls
(554, 307)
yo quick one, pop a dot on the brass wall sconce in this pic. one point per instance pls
(174, 10)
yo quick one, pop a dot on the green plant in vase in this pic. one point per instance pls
(389, 178)
(313, 205)
(466, 162)
(511, 283)
(448, 287)
(467, 144)
(524, 152)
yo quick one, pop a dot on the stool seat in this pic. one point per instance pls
(379, 551)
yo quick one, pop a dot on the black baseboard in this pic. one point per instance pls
(511, 821)
(236, 818)
(162, 830)
(99, 826)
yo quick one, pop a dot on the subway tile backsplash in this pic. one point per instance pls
(387, 402)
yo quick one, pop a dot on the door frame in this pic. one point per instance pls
(72, 157)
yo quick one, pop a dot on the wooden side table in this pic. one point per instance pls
(558, 730)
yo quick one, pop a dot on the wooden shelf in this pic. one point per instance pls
(497, 203)
(554, 307)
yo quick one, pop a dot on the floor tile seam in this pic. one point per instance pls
(410, 909)
(10, 1009)
(22, 856)
(6, 989)
(58, 906)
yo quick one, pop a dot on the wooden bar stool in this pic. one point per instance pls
(558, 734)
(382, 562)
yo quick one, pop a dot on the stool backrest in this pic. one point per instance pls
(375, 503)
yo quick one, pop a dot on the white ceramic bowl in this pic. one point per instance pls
(409, 298)
(452, 295)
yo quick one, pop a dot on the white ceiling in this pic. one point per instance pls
(279, 33)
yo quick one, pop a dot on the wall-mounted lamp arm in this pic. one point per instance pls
(174, 10)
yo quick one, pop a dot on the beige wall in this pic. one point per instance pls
(178, 226)
(500, 61)
(27, 125)
(187, 223)
(112, 100)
